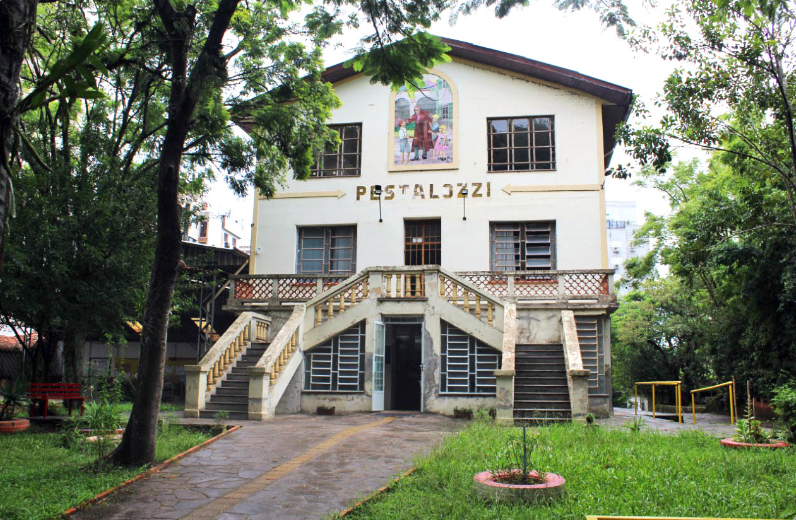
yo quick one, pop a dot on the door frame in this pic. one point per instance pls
(377, 397)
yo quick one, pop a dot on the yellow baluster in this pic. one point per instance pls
(330, 310)
(441, 286)
(489, 313)
(246, 334)
(455, 293)
(342, 302)
(354, 295)
(466, 301)
(318, 315)
(390, 288)
(477, 306)
(209, 379)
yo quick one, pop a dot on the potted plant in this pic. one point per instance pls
(749, 433)
(512, 482)
(13, 396)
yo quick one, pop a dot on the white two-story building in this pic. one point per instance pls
(450, 253)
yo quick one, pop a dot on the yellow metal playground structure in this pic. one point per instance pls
(678, 394)
(730, 387)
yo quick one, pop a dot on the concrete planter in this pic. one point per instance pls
(14, 426)
(769, 445)
(488, 488)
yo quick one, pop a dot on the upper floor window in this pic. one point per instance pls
(422, 242)
(519, 246)
(518, 144)
(326, 250)
(344, 160)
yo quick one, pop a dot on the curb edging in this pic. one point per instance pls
(147, 473)
(349, 510)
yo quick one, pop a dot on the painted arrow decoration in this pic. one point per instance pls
(309, 194)
(563, 187)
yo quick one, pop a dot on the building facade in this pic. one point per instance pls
(450, 253)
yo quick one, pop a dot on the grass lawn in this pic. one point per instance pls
(608, 472)
(164, 407)
(40, 478)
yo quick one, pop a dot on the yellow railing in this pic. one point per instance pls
(340, 298)
(678, 394)
(284, 345)
(730, 387)
(410, 284)
(467, 299)
(231, 345)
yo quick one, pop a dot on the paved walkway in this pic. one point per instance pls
(295, 466)
(718, 425)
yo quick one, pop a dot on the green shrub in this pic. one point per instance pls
(784, 402)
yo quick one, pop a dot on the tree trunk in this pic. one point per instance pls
(74, 348)
(17, 21)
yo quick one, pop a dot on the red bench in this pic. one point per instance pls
(46, 391)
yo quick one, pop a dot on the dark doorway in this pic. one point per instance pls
(403, 359)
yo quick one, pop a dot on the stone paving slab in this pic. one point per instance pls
(713, 424)
(259, 470)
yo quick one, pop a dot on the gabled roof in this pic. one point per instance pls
(617, 98)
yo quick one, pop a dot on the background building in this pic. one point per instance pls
(622, 223)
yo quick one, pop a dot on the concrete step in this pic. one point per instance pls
(227, 406)
(539, 381)
(235, 391)
(529, 395)
(541, 404)
(211, 414)
(238, 385)
(241, 376)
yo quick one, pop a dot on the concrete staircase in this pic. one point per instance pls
(232, 394)
(541, 393)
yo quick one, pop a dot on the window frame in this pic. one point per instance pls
(331, 349)
(523, 243)
(424, 245)
(326, 255)
(532, 147)
(477, 352)
(316, 171)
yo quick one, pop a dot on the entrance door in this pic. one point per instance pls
(378, 365)
(405, 343)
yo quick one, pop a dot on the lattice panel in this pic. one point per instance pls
(495, 284)
(254, 289)
(536, 285)
(586, 284)
(297, 289)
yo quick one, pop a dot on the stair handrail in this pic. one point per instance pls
(471, 286)
(287, 341)
(331, 296)
(577, 376)
(225, 352)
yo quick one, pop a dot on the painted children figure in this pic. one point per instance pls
(441, 145)
(434, 131)
(404, 143)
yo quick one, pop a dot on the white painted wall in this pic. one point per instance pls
(465, 244)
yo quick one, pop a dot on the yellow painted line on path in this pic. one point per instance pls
(215, 508)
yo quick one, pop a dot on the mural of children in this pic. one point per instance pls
(422, 139)
(434, 131)
(441, 144)
(405, 143)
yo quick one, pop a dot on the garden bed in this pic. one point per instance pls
(608, 472)
(40, 478)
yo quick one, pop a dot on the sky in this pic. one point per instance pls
(575, 41)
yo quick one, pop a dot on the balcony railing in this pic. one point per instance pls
(519, 286)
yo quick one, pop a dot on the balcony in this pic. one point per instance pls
(578, 287)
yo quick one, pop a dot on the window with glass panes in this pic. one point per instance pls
(338, 364)
(519, 144)
(343, 160)
(519, 246)
(422, 242)
(326, 250)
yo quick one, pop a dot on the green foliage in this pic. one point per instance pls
(221, 417)
(516, 454)
(784, 402)
(41, 477)
(749, 429)
(608, 472)
(13, 396)
(635, 425)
